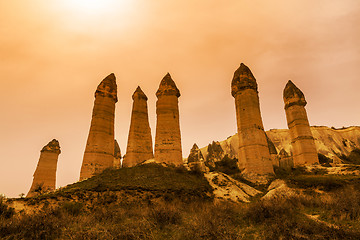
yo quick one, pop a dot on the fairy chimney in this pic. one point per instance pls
(99, 151)
(45, 173)
(117, 155)
(168, 138)
(302, 140)
(139, 146)
(254, 156)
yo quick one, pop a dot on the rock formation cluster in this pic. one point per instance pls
(302, 140)
(139, 147)
(99, 151)
(254, 156)
(45, 173)
(196, 161)
(256, 153)
(168, 137)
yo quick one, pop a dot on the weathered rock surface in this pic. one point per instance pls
(139, 146)
(168, 137)
(99, 151)
(254, 156)
(329, 141)
(195, 160)
(227, 188)
(117, 155)
(302, 140)
(278, 188)
(45, 173)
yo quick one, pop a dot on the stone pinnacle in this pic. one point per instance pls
(167, 87)
(117, 151)
(293, 95)
(243, 79)
(52, 146)
(139, 94)
(108, 87)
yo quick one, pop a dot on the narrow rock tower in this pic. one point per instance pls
(99, 151)
(254, 156)
(45, 173)
(302, 140)
(168, 138)
(117, 155)
(139, 146)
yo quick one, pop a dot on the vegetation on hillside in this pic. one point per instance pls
(312, 216)
(155, 202)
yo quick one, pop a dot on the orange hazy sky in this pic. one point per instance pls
(54, 53)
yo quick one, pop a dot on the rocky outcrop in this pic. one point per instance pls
(117, 155)
(277, 189)
(168, 137)
(302, 140)
(99, 151)
(330, 142)
(254, 156)
(139, 146)
(195, 160)
(45, 173)
(227, 188)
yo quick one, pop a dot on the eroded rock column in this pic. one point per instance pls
(117, 155)
(45, 173)
(302, 141)
(99, 151)
(254, 156)
(139, 146)
(168, 138)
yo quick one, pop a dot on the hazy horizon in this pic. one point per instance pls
(55, 53)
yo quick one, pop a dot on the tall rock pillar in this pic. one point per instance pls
(254, 155)
(168, 138)
(117, 155)
(302, 140)
(45, 173)
(99, 151)
(139, 146)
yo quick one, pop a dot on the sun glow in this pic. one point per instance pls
(96, 7)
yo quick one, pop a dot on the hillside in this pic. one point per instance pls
(155, 202)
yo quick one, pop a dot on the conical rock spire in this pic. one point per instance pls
(52, 146)
(167, 87)
(117, 151)
(293, 95)
(139, 94)
(108, 87)
(243, 79)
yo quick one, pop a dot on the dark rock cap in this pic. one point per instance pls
(117, 152)
(167, 87)
(139, 94)
(293, 95)
(52, 146)
(107, 87)
(243, 79)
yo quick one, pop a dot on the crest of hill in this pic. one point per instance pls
(147, 177)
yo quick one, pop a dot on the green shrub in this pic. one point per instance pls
(72, 208)
(5, 210)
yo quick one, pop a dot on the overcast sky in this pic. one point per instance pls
(54, 53)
